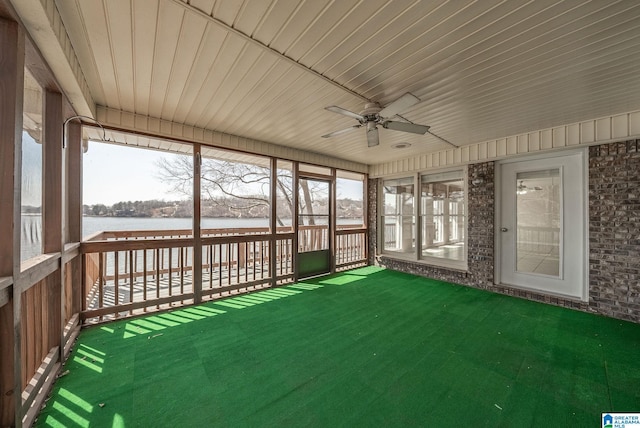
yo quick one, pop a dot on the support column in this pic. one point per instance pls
(52, 177)
(333, 225)
(295, 221)
(73, 232)
(273, 226)
(52, 210)
(12, 48)
(197, 232)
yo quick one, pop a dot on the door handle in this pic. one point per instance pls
(503, 229)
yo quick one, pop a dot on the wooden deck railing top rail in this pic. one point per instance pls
(126, 272)
(184, 233)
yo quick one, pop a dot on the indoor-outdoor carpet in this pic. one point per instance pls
(368, 347)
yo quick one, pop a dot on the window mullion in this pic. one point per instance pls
(417, 216)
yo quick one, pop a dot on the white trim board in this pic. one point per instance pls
(163, 128)
(608, 129)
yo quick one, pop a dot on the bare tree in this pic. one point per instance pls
(238, 186)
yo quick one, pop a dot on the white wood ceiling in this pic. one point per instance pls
(265, 69)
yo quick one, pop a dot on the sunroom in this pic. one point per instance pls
(174, 155)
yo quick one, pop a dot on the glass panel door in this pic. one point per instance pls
(314, 255)
(541, 229)
(538, 222)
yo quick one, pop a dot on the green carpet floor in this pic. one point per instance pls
(368, 347)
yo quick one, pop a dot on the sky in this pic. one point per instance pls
(113, 173)
(116, 173)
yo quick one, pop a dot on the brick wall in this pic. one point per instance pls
(615, 263)
(372, 221)
(480, 206)
(614, 229)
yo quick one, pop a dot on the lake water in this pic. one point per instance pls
(91, 225)
(31, 230)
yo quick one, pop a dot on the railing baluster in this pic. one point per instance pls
(346, 249)
(182, 271)
(220, 266)
(238, 260)
(246, 262)
(262, 259)
(101, 281)
(116, 279)
(285, 244)
(162, 262)
(157, 275)
(253, 258)
(212, 258)
(170, 271)
(348, 252)
(229, 264)
(131, 278)
(280, 252)
(144, 278)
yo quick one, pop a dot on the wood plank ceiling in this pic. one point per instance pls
(265, 69)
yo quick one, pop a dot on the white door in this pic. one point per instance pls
(541, 227)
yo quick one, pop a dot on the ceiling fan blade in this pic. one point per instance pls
(399, 105)
(372, 137)
(342, 131)
(406, 127)
(345, 112)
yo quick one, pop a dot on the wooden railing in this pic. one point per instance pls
(48, 307)
(351, 247)
(130, 272)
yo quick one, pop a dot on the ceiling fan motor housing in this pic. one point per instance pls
(370, 113)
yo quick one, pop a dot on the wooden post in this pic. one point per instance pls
(52, 176)
(332, 220)
(295, 222)
(73, 198)
(197, 238)
(12, 51)
(273, 230)
(52, 212)
(365, 216)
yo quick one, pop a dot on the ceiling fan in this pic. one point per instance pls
(374, 115)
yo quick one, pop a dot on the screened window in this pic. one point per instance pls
(439, 234)
(31, 209)
(129, 188)
(235, 191)
(442, 216)
(349, 199)
(284, 197)
(398, 217)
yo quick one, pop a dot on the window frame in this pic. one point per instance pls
(414, 216)
(417, 255)
(40, 148)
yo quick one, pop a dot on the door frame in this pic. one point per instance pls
(498, 250)
(326, 256)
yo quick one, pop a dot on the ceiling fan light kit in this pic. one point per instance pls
(373, 115)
